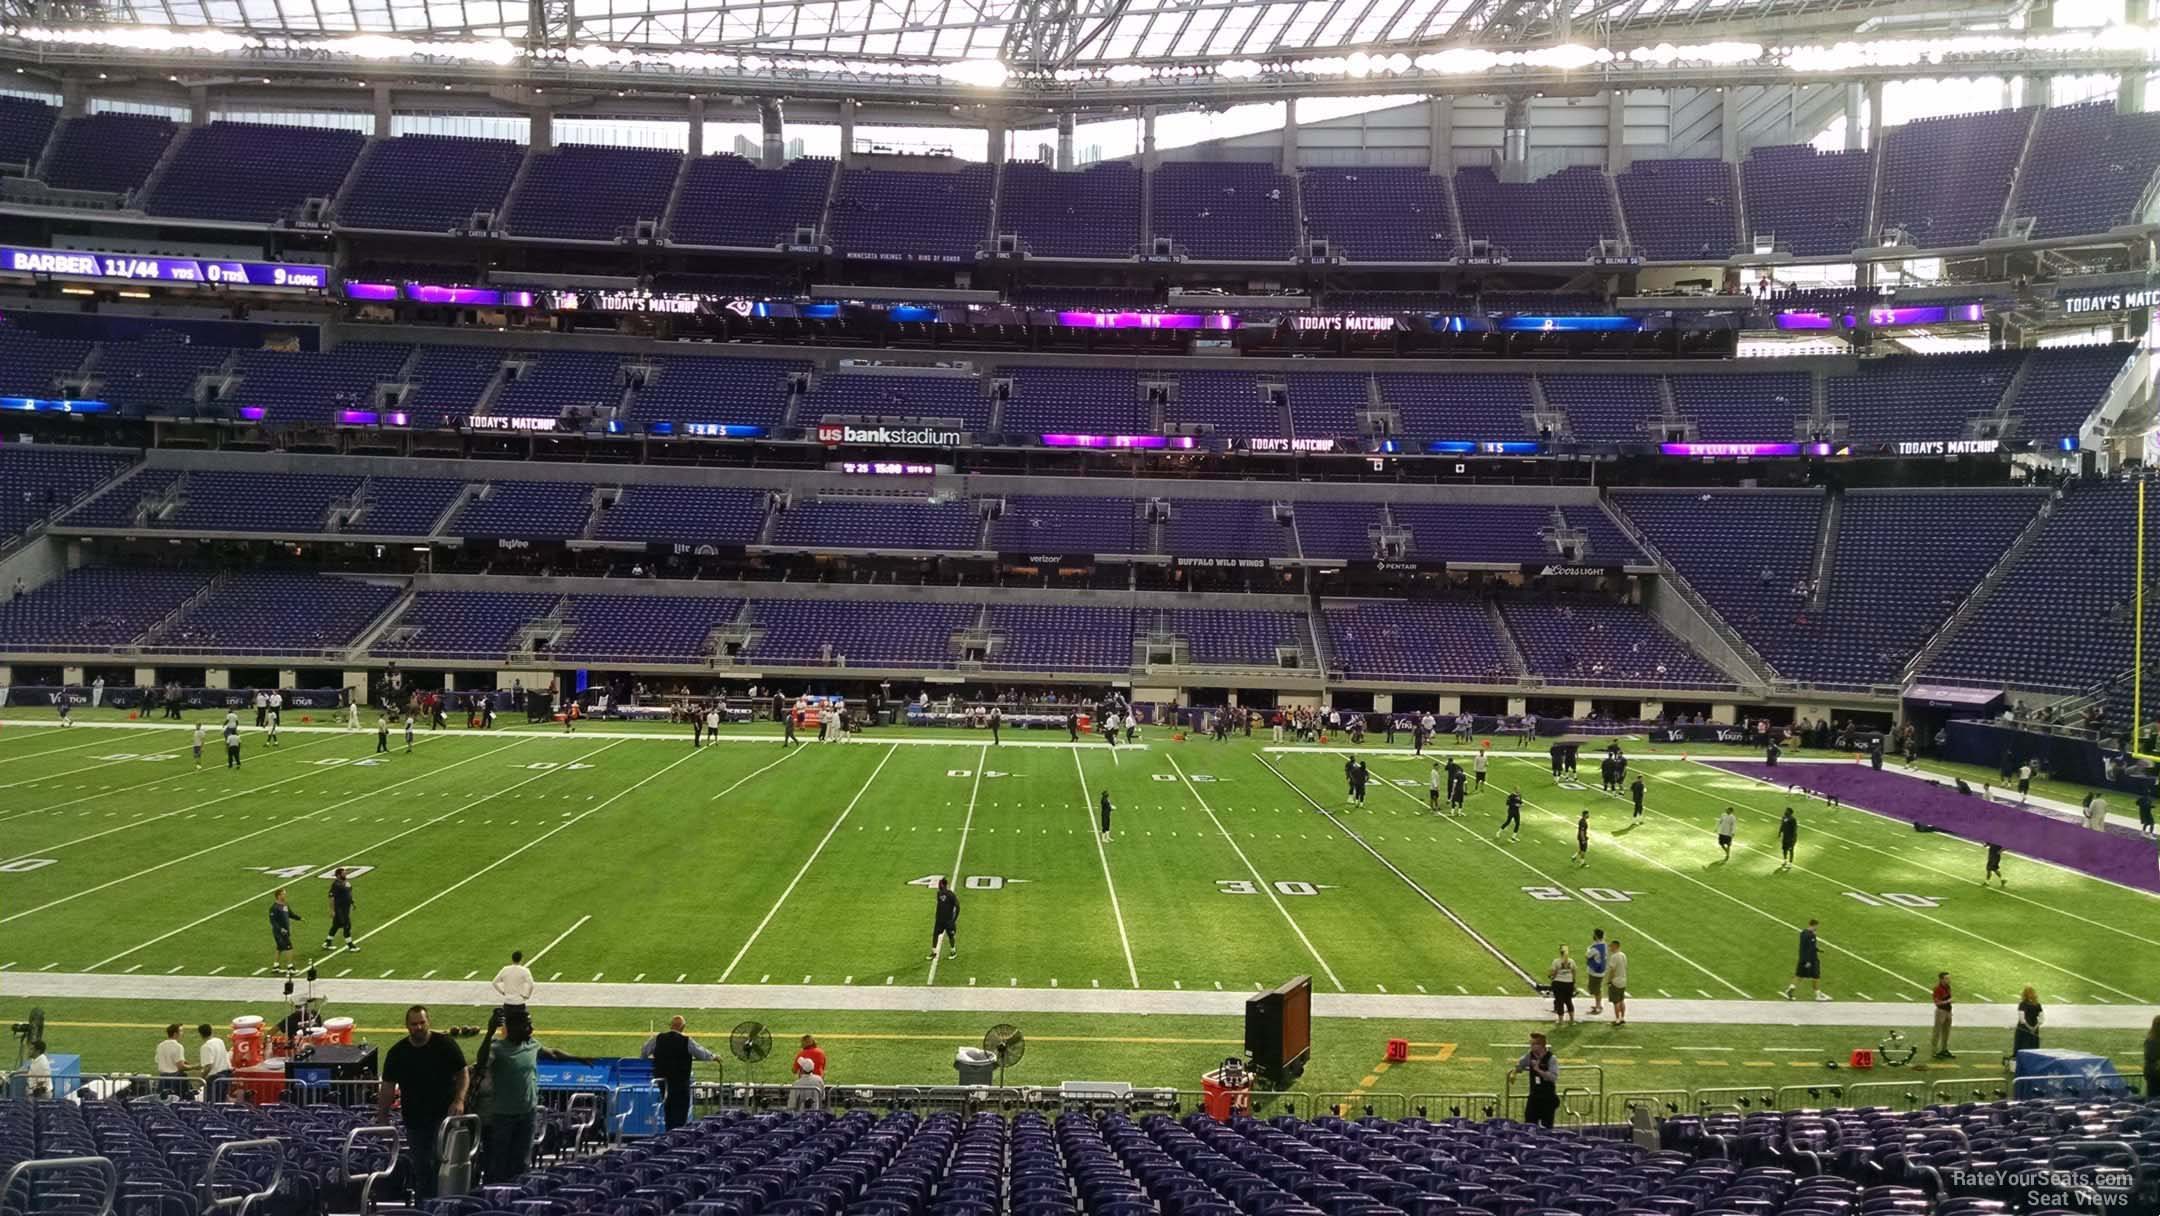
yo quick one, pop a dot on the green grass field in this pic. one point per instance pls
(617, 860)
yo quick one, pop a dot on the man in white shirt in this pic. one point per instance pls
(172, 1067)
(514, 983)
(1727, 824)
(1616, 982)
(214, 1061)
(39, 1070)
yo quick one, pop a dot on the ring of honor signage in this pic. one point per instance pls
(75, 264)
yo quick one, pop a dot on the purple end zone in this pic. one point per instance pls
(2118, 855)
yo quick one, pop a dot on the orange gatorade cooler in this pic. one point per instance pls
(339, 1030)
(247, 1041)
(260, 1085)
(1225, 1093)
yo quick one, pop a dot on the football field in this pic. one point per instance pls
(631, 858)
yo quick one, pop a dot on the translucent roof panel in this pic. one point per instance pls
(1053, 33)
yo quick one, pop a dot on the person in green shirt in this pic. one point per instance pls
(511, 1070)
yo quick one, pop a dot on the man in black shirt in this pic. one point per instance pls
(1514, 815)
(1103, 816)
(281, 918)
(1809, 967)
(425, 1075)
(1636, 790)
(947, 924)
(341, 905)
(1072, 726)
(1994, 865)
(671, 1052)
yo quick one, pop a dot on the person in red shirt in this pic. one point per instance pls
(811, 1059)
(1942, 1016)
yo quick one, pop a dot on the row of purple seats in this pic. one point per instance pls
(641, 628)
(884, 522)
(851, 393)
(429, 183)
(1750, 555)
(2061, 616)
(688, 388)
(1745, 407)
(2088, 169)
(1338, 529)
(554, 382)
(477, 624)
(1094, 213)
(448, 383)
(1606, 408)
(1559, 218)
(1812, 203)
(2062, 387)
(1225, 527)
(1227, 211)
(228, 501)
(1945, 180)
(1601, 641)
(111, 153)
(1900, 397)
(856, 633)
(303, 387)
(95, 607)
(1476, 407)
(39, 482)
(253, 172)
(1035, 523)
(25, 126)
(1441, 639)
(1233, 637)
(267, 610)
(1380, 213)
(31, 365)
(1681, 210)
(729, 202)
(586, 192)
(121, 506)
(1327, 405)
(1060, 637)
(1096, 401)
(1513, 532)
(915, 212)
(684, 515)
(525, 510)
(156, 376)
(1231, 402)
(402, 506)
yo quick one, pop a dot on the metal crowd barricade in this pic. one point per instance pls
(1579, 1104)
(1621, 1104)
(349, 1155)
(1970, 1089)
(2070, 1087)
(1738, 1099)
(24, 1173)
(1358, 1104)
(1892, 1095)
(1813, 1097)
(1476, 1105)
(243, 1202)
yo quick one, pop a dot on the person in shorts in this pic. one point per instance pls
(1594, 970)
(1616, 983)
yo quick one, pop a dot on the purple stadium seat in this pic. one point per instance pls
(227, 501)
(685, 515)
(1221, 527)
(2088, 168)
(1748, 407)
(1092, 213)
(310, 387)
(38, 482)
(853, 393)
(269, 610)
(1042, 524)
(1587, 640)
(32, 366)
(1228, 211)
(557, 198)
(919, 213)
(448, 383)
(429, 183)
(2062, 387)
(1680, 210)
(156, 376)
(1378, 213)
(1450, 639)
(1092, 401)
(526, 510)
(1559, 218)
(1061, 637)
(25, 126)
(403, 506)
(254, 172)
(731, 203)
(1231, 402)
(1442, 406)
(1920, 396)
(688, 388)
(474, 624)
(1236, 637)
(1605, 409)
(880, 522)
(860, 634)
(1813, 203)
(1944, 180)
(642, 628)
(563, 380)
(111, 153)
(96, 606)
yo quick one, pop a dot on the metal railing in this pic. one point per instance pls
(350, 1152)
(25, 1172)
(241, 1202)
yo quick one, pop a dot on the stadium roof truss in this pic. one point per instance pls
(1038, 34)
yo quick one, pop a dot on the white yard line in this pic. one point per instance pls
(537, 955)
(1254, 870)
(807, 863)
(420, 827)
(542, 838)
(1604, 910)
(170, 775)
(1933, 920)
(1087, 812)
(280, 826)
(784, 758)
(54, 751)
(975, 787)
(1692, 880)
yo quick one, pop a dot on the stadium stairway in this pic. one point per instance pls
(1826, 550)
(1509, 648)
(1737, 658)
